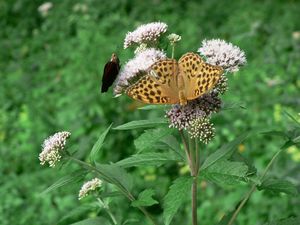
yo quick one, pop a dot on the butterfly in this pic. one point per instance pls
(110, 72)
(170, 82)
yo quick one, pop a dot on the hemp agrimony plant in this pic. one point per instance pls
(180, 137)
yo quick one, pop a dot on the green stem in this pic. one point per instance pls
(253, 188)
(120, 187)
(186, 149)
(173, 50)
(107, 209)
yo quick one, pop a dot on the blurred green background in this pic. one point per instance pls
(50, 72)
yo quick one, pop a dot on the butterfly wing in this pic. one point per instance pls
(110, 73)
(199, 77)
(158, 86)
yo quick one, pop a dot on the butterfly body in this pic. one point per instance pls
(110, 72)
(172, 82)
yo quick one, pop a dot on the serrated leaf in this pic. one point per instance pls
(114, 174)
(288, 221)
(277, 186)
(173, 144)
(97, 146)
(175, 197)
(93, 221)
(226, 172)
(145, 199)
(142, 124)
(224, 152)
(150, 137)
(70, 178)
(148, 159)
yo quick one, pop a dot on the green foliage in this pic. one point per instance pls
(145, 199)
(176, 197)
(150, 137)
(289, 221)
(226, 172)
(277, 186)
(141, 124)
(148, 159)
(50, 75)
(224, 152)
(97, 146)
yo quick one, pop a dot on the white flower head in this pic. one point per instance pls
(137, 67)
(174, 38)
(88, 187)
(44, 8)
(203, 129)
(220, 53)
(146, 33)
(52, 147)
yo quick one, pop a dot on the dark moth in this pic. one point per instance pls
(110, 72)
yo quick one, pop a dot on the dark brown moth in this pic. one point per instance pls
(110, 72)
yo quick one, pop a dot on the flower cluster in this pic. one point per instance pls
(88, 187)
(219, 52)
(52, 148)
(136, 67)
(147, 33)
(202, 128)
(45, 8)
(174, 38)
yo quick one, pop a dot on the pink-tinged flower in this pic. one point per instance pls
(181, 116)
(146, 33)
(137, 67)
(44, 8)
(88, 187)
(220, 53)
(53, 147)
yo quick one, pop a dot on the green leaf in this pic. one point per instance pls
(93, 221)
(288, 221)
(148, 159)
(145, 199)
(226, 172)
(97, 146)
(150, 137)
(142, 124)
(114, 174)
(71, 178)
(151, 107)
(173, 144)
(225, 219)
(224, 152)
(175, 197)
(278, 186)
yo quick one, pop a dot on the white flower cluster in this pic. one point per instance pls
(219, 52)
(202, 128)
(145, 33)
(173, 38)
(88, 187)
(137, 66)
(52, 147)
(44, 8)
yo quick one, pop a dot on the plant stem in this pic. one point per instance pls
(194, 200)
(253, 188)
(173, 50)
(121, 188)
(107, 209)
(186, 148)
